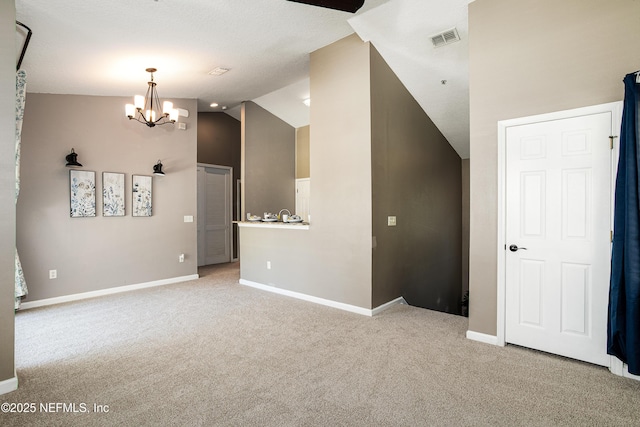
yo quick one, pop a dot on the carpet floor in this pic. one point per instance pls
(212, 352)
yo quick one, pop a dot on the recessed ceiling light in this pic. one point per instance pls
(213, 104)
(218, 71)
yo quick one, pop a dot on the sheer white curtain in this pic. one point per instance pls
(21, 92)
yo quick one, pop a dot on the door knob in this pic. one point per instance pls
(514, 248)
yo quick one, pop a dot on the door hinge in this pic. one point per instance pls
(611, 235)
(611, 138)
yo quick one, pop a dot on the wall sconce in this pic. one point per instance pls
(157, 169)
(72, 160)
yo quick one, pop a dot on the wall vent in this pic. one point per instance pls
(445, 37)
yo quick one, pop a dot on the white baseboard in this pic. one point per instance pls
(487, 339)
(322, 301)
(107, 291)
(618, 368)
(7, 386)
(379, 309)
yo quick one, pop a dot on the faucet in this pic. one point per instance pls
(280, 216)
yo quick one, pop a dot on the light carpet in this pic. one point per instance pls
(212, 352)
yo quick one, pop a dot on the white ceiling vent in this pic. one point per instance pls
(445, 37)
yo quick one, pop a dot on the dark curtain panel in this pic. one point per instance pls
(623, 332)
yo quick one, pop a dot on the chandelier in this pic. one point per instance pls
(146, 109)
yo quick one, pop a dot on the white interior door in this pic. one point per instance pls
(303, 195)
(214, 215)
(558, 221)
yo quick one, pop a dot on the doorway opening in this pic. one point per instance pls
(215, 233)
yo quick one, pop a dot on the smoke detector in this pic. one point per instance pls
(445, 37)
(218, 71)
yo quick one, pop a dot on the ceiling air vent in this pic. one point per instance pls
(445, 37)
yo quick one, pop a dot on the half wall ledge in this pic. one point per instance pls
(281, 225)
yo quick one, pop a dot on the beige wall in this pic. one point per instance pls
(529, 57)
(340, 153)
(102, 252)
(302, 152)
(332, 259)
(416, 177)
(7, 185)
(268, 156)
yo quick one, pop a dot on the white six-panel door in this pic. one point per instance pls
(558, 216)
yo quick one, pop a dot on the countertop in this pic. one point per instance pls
(274, 224)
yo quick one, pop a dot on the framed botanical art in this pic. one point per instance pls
(82, 192)
(142, 195)
(112, 194)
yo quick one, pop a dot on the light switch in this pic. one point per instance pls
(188, 218)
(391, 221)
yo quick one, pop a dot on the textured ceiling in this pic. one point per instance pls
(103, 48)
(401, 30)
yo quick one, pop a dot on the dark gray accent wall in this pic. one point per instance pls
(219, 144)
(219, 140)
(7, 185)
(416, 177)
(465, 225)
(269, 161)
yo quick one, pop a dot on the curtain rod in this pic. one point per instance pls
(26, 43)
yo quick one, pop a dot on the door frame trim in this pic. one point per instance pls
(230, 207)
(615, 108)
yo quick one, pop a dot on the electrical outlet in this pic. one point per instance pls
(391, 221)
(53, 274)
(181, 258)
(268, 265)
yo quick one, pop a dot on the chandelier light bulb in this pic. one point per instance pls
(139, 102)
(167, 106)
(130, 110)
